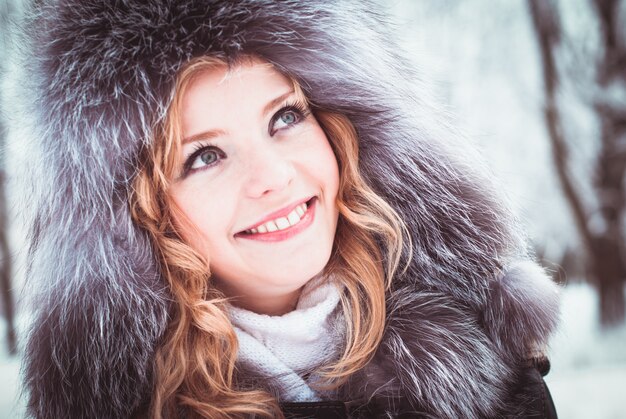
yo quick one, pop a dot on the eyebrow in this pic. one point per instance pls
(207, 135)
(274, 102)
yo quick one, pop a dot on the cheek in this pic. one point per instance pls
(200, 218)
(328, 167)
(333, 171)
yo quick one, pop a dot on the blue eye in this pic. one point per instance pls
(203, 157)
(288, 116)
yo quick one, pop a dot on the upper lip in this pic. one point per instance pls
(283, 212)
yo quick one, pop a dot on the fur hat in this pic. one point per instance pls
(100, 78)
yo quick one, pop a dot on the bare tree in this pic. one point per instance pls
(605, 247)
(5, 253)
(5, 267)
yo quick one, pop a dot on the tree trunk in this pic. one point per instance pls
(610, 249)
(609, 269)
(6, 292)
(5, 271)
(606, 248)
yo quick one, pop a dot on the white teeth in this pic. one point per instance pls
(293, 218)
(281, 223)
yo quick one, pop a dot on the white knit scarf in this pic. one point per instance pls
(283, 348)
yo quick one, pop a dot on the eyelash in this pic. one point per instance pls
(298, 107)
(199, 149)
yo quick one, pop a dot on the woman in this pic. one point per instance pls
(247, 208)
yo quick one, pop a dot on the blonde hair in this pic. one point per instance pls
(194, 366)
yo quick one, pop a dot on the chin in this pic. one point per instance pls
(297, 276)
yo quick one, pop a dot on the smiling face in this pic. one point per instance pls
(258, 181)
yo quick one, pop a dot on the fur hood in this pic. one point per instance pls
(461, 318)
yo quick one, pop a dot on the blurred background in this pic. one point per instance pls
(540, 86)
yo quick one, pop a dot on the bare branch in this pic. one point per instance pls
(548, 30)
(614, 61)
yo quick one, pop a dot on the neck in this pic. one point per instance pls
(275, 305)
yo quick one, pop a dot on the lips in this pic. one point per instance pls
(281, 223)
(279, 220)
(282, 213)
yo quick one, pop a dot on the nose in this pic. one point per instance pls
(268, 170)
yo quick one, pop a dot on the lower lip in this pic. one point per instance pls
(280, 235)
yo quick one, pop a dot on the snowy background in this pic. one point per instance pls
(481, 61)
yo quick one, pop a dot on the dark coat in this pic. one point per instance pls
(461, 319)
(532, 400)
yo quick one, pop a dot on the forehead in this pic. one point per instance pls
(216, 89)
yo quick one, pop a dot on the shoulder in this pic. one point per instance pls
(530, 396)
(529, 399)
(452, 357)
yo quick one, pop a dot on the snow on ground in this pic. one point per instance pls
(593, 392)
(588, 377)
(10, 406)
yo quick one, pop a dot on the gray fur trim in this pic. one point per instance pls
(100, 78)
(523, 308)
(451, 364)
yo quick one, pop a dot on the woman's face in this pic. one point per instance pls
(258, 180)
